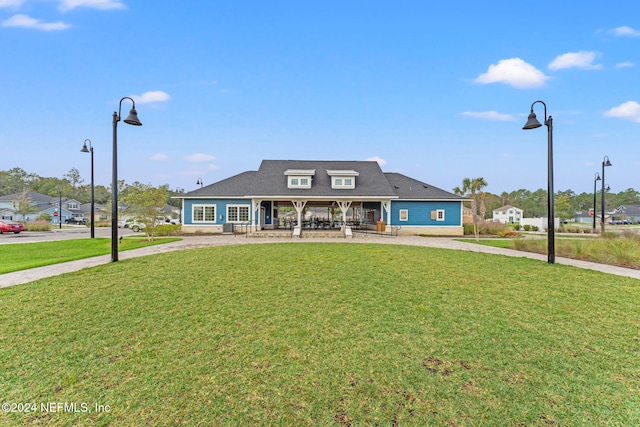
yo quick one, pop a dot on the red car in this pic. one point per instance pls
(7, 226)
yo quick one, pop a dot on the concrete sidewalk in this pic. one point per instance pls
(190, 242)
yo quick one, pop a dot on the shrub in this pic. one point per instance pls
(168, 230)
(492, 228)
(38, 225)
(527, 227)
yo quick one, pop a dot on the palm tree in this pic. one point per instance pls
(473, 188)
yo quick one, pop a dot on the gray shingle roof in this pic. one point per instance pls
(270, 181)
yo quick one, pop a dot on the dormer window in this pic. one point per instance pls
(343, 179)
(299, 178)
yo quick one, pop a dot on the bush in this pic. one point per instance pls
(38, 225)
(168, 230)
(527, 227)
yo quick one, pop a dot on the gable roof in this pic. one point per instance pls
(270, 181)
(506, 207)
(628, 209)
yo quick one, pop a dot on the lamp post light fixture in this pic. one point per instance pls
(132, 119)
(605, 163)
(533, 123)
(199, 182)
(93, 203)
(596, 179)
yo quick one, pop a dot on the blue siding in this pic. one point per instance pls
(420, 213)
(221, 209)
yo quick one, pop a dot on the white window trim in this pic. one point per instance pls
(238, 207)
(309, 178)
(343, 185)
(203, 206)
(439, 214)
(406, 215)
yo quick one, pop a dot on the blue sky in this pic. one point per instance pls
(438, 91)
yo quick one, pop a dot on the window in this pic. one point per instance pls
(204, 213)
(72, 205)
(343, 178)
(299, 182)
(299, 178)
(404, 215)
(238, 213)
(437, 215)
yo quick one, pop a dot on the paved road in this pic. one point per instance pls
(26, 276)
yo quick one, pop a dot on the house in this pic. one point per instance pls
(507, 214)
(628, 213)
(40, 204)
(302, 194)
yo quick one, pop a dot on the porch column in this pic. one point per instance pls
(299, 205)
(386, 206)
(255, 218)
(344, 207)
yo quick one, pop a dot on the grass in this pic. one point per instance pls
(307, 334)
(21, 256)
(612, 249)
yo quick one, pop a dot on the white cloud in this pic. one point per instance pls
(380, 160)
(24, 21)
(151, 97)
(625, 31)
(13, 4)
(625, 64)
(629, 110)
(514, 72)
(200, 158)
(582, 59)
(66, 5)
(160, 157)
(490, 115)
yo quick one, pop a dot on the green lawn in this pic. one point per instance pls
(21, 256)
(308, 334)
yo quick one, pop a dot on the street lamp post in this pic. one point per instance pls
(596, 179)
(132, 119)
(532, 123)
(605, 163)
(199, 182)
(59, 209)
(93, 211)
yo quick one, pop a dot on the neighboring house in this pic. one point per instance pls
(41, 203)
(586, 217)
(282, 192)
(507, 214)
(630, 213)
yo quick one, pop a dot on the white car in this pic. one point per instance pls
(137, 226)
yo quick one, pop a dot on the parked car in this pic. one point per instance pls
(137, 226)
(7, 226)
(76, 220)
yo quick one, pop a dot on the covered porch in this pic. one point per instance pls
(319, 215)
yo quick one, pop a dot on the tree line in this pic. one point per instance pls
(534, 203)
(71, 185)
